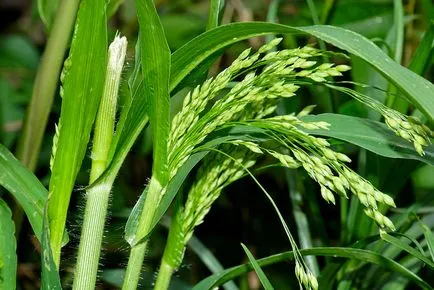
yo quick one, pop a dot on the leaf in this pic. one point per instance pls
(8, 246)
(261, 275)
(47, 11)
(155, 58)
(83, 80)
(50, 276)
(25, 187)
(371, 135)
(401, 245)
(420, 58)
(357, 254)
(429, 237)
(214, 11)
(417, 89)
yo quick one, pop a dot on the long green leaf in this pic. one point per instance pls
(155, 57)
(214, 12)
(25, 187)
(83, 81)
(8, 245)
(429, 237)
(417, 89)
(420, 58)
(357, 254)
(261, 275)
(405, 247)
(371, 135)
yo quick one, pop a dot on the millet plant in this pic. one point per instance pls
(229, 127)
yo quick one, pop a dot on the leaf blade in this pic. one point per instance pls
(358, 254)
(25, 187)
(156, 55)
(418, 90)
(261, 275)
(8, 257)
(371, 135)
(82, 90)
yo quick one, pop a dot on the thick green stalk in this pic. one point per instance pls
(138, 249)
(98, 196)
(45, 84)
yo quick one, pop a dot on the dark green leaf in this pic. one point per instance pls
(371, 135)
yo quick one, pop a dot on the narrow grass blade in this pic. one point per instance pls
(155, 54)
(405, 247)
(214, 13)
(25, 187)
(371, 135)
(417, 89)
(429, 237)
(420, 58)
(50, 276)
(261, 275)
(398, 26)
(8, 245)
(356, 254)
(83, 80)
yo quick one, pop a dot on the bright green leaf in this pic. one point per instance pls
(25, 187)
(8, 256)
(371, 135)
(417, 89)
(155, 54)
(83, 80)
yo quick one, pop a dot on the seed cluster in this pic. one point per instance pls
(407, 127)
(268, 77)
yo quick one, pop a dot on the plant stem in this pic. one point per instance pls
(139, 244)
(98, 196)
(46, 83)
(164, 276)
(174, 250)
(44, 87)
(135, 261)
